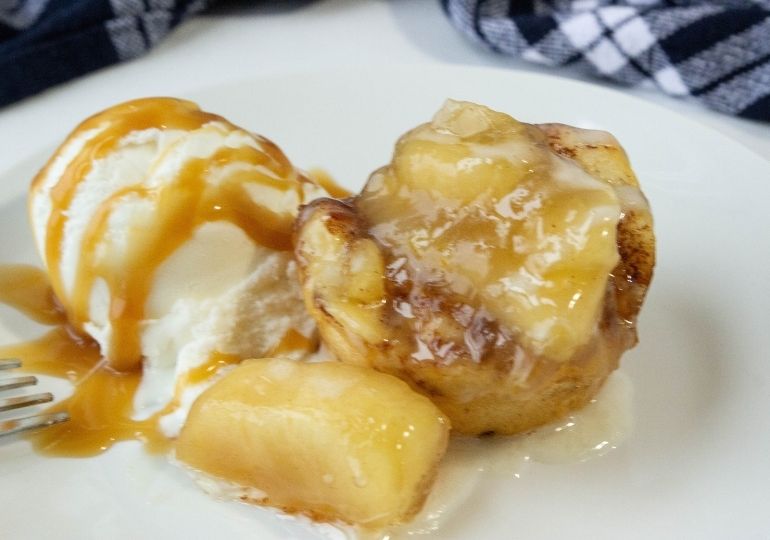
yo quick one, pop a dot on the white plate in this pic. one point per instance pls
(698, 462)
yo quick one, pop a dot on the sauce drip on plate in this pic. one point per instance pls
(327, 181)
(26, 289)
(101, 406)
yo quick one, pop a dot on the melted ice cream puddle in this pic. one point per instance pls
(600, 427)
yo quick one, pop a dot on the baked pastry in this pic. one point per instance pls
(497, 267)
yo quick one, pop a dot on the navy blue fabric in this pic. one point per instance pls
(47, 42)
(53, 50)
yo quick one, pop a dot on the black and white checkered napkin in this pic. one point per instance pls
(715, 51)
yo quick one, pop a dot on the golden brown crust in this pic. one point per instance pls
(487, 381)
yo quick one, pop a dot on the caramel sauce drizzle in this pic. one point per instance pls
(26, 289)
(292, 342)
(115, 123)
(211, 367)
(183, 204)
(101, 405)
(326, 181)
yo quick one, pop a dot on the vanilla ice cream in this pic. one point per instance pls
(166, 232)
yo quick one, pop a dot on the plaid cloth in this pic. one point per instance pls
(46, 42)
(715, 51)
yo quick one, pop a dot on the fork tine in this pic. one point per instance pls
(10, 363)
(24, 401)
(19, 425)
(10, 427)
(18, 382)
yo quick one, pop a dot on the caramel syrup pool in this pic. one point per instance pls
(101, 406)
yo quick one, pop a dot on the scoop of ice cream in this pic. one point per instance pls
(166, 232)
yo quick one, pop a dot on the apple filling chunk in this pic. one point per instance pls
(333, 441)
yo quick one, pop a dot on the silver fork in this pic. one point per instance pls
(17, 425)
